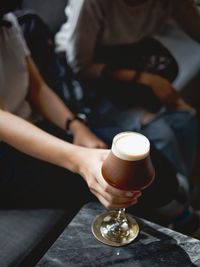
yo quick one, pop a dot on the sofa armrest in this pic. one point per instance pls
(185, 50)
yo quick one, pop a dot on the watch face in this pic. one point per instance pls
(81, 116)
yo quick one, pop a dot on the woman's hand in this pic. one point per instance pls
(82, 136)
(164, 91)
(90, 163)
(181, 104)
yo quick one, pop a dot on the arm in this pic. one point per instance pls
(83, 27)
(87, 162)
(160, 86)
(78, 36)
(53, 109)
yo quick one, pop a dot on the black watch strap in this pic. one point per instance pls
(79, 116)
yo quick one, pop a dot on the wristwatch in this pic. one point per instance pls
(79, 116)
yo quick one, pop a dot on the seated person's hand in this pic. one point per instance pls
(161, 87)
(90, 163)
(181, 104)
(82, 136)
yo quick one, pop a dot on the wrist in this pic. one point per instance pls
(71, 158)
(75, 121)
(136, 77)
(145, 78)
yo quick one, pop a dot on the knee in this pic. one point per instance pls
(187, 120)
(166, 139)
(160, 134)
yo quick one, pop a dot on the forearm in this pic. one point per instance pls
(96, 71)
(160, 86)
(44, 99)
(92, 71)
(31, 140)
(122, 75)
(50, 106)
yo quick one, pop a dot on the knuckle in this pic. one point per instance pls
(108, 205)
(90, 185)
(106, 188)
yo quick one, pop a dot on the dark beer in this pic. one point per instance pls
(128, 166)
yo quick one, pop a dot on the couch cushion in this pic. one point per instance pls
(22, 230)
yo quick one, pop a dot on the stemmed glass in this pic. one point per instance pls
(127, 167)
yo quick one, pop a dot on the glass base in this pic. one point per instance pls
(107, 229)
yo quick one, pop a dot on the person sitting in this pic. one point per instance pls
(127, 74)
(38, 164)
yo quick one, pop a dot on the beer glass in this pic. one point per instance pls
(127, 167)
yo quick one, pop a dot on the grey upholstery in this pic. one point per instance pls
(22, 230)
(185, 50)
(52, 11)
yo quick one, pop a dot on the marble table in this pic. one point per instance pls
(155, 246)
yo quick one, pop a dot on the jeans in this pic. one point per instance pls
(174, 132)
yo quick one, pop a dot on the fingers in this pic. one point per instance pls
(147, 117)
(89, 141)
(101, 145)
(114, 191)
(184, 105)
(111, 197)
(114, 203)
(96, 144)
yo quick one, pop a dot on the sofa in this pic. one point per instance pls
(26, 234)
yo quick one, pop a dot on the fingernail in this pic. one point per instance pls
(134, 202)
(129, 194)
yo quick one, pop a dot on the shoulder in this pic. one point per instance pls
(81, 10)
(82, 5)
(15, 35)
(12, 18)
(15, 29)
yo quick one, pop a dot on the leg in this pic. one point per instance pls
(164, 139)
(184, 125)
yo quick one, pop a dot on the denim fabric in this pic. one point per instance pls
(174, 132)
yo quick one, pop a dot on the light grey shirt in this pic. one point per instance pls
(14, 78)
(112, 22)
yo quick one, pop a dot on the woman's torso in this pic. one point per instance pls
(14, 78)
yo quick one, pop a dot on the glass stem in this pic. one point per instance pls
(121, 215)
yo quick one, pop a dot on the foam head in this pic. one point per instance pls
(130, 146)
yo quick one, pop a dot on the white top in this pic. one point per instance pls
(14, 78)
(130, 146)
(111, 22)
